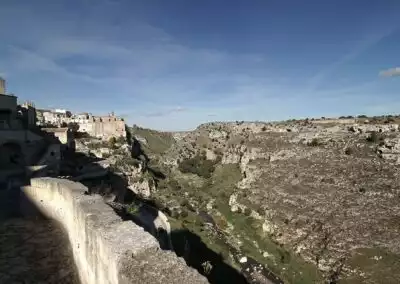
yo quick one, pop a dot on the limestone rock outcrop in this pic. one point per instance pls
(390, 150)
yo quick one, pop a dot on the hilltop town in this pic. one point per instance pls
(25, 129)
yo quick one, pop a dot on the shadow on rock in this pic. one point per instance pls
(148, 215)
(209, 263)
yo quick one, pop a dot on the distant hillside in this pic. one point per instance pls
(155, 142)
(313, 200)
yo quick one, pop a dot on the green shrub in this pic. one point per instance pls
(314, 142)
(159, 204)
(112, 140)
(173, 184)
(247, 211)
(184, 213)
(352, 129)
(184, 203)
(134, 208)
(348, 151)
(120, 140)
(260, 211)
(198, 165)
(374, 137)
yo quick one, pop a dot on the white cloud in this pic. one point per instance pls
(390, 72)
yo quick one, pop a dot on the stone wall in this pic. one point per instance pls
(30, 144)
(18, 135)
(104, 128)
(108, 127)
(105, 248)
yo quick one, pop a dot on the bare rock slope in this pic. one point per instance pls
(322, 198)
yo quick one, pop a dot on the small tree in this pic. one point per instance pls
(247, 211)
(348, 151)
(184, 213)
(314, 142)
(373, 137)
(73, 126)
(111, 142)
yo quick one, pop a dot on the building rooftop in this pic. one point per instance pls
(9, 95)
(61, 129)
(43, 110)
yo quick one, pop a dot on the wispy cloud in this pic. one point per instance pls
(166, 112)
(104, 57)
(391, 72)
(362, 46)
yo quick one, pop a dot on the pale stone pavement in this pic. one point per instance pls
(35, 250)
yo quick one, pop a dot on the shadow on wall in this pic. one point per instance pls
(28, 240)
(185, 243)
(11, 155)
(197, 255)
(114, 188)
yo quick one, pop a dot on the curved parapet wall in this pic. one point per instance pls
(105, 248)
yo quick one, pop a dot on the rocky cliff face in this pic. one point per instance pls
(323, 193)
(298, 201)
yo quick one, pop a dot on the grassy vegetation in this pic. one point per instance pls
(134, 208)
(199, 181)
(196, 183)
(157, 142)
(379, 265)
(219, 187)
(198, 165)
(290, 267)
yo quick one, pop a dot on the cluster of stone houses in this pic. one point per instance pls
(13, 115)
(25, 130)
(96, 126)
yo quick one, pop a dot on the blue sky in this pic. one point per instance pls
(174, 64)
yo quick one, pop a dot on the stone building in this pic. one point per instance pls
(27, 114)
(82, 119)
(62, 135)
(8, 108)
(57, 116)
(97, 126)
(18, 145)
(8, 112)
(106, 126)
(2, 86)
